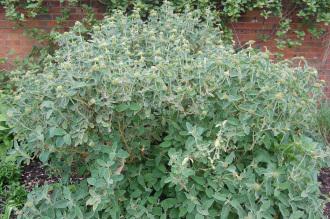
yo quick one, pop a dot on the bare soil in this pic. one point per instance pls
(324, 179)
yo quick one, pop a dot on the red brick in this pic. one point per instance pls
(249, 27)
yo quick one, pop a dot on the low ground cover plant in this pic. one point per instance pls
(323, 119)
(162, 120)
(12, 193)
(5, 138)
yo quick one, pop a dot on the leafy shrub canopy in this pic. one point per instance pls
(164, 121)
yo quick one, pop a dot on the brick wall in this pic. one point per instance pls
(13, 42)
(316, 51)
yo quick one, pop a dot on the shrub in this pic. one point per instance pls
(162, 120)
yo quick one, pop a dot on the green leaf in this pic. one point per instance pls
(235, 204)
(61, 204)
(220, 197)
(122, 154)
(140, 180)
(47, 104)
(91, 181)
(265, 205)
(188, 172)
(182, 211)
(137, 193)
(202, 211)
(59, 142)
(2, 118)
(56, 132)
(157, 211)
(67, 193)
(44, 156)
(297, 215)
(165, 144)
(122, 107)
(67, 139)
(230, 158)
(225, 212)
(2, 128)
(78, 212)
(189, 127)
(78, 85)
(200, 180)
(190, 206)
(199, 216)
(135, 106)
(94, 200)
(101, 163)
(168, 203)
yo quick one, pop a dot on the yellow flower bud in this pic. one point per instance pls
(279, 96)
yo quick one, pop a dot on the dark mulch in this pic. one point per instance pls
(324, 179)
(35, 175)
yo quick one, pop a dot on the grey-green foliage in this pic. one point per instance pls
(165, 121)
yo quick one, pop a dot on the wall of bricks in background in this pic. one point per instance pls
(15, 44)
(251, 26)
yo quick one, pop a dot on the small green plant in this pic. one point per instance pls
(323, 119)
(5, 137)
(9, 208)
(11, 191)
(16, 194)
(8, 173)
(161, 119)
